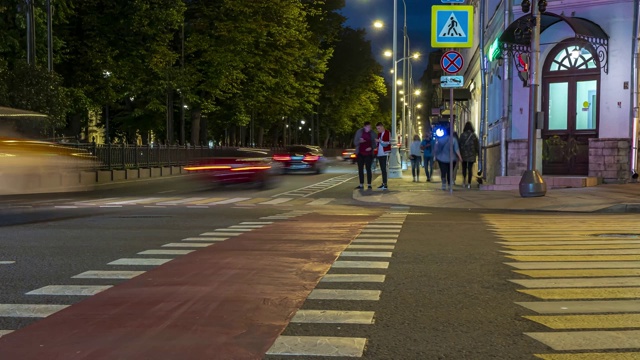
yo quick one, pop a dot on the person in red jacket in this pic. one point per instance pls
(383, 151)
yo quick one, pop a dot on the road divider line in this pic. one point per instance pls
(69, 290)
(108, 274)
(340, 278)
(6, 262)
(29, 310)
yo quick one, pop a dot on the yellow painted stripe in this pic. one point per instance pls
(591, 293)
(206, 201)
(591, 356)
(561, 322)
(252, 201)
(578, 273)
(574, 247)
(575, 257)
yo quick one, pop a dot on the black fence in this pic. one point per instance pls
(119, 156)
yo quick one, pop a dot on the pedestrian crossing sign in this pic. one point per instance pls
(452, 26)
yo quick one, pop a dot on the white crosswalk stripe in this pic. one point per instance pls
(586, 278)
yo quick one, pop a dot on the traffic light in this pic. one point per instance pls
(526, 6)
(542, 5)
(523, 69)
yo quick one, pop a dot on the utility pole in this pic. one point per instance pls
(49, 38)
(532, 184)
(182, 122)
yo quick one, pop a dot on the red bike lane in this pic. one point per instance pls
(230, 300)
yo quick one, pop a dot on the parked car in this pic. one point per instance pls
(349, 155)
(302, 158)
(238, 166)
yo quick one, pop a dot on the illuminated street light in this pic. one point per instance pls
(419, 106)
(401, 92)
(418, 92)
(388, 53)
(392, 71)
(302, 122)
(416, 56)
(378, 24)
(399, 82)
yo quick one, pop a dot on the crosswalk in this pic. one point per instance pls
(583, 275)
(318, 187)
(168, 202)
(361, 265)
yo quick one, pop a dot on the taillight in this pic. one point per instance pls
(311, 158)
(281, 157)
(353, 156)
(345, 153)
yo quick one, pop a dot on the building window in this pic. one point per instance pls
(573, 58)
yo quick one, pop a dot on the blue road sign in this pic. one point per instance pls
(451, 62)
(452, 26)
(447, 82)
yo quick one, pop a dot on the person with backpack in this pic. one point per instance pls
(427, 145)
(382, 152)
(365, 143)
(469, 149)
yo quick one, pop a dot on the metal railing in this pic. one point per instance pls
(122, 156)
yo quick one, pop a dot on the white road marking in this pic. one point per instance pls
(333, 317)
(5, 332)
(134, 201)
(353, 278)
(157, 207)
(187, 244)
(66, 207)
(166, 192)
(372, 247)
(572, 252)
(339, 264)
(575, 265)
(384, 254)
(227, 201)
(29, 310)
(233, 229)
(578, 282)
(589, 340)
(575, 242)
(165, 252)
(383, 226)
(387, 236)
(326, 185)
(197, 207)
(376, 241)
(7, 262)
(276, 201)
(69, 290)
(321, 201)
(108, 274)
(318, 346)
(340, 294)
(220, 234)
(211, 239)
(139, 261)
(95, 201)
(582, 307)
(256, 223)
(110, 206)
(246, 226)
(182, 201)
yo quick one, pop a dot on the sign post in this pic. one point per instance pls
(451, 62)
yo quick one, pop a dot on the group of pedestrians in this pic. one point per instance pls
(370, 145)
(422, 152)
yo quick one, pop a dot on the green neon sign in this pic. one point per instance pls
(494, 50)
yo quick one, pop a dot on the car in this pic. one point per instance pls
(238, 166)
(349, 154)
(302, 158)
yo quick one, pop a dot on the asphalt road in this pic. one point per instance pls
(433, 284)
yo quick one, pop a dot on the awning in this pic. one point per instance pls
(11, 112)
(583, 28)
(458, 94)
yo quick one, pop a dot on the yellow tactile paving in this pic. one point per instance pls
(574, 247)
(578, 273)
(591, 356)
(563, 322)
(574, 257)
(579, 293)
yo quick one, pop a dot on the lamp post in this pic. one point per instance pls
(395, 170)
(532, 184)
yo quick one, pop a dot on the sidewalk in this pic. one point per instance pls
(604, 198)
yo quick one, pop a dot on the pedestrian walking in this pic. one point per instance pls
(415, 154)
(469, 149)
(444, 159)
(364, 142)
(382, 153)
(427, 146)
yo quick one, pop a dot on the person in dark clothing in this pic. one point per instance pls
(469, 149)
(365, 142)
(442, 152)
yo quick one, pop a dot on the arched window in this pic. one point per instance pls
(574, 58)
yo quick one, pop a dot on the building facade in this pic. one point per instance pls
(588, 94)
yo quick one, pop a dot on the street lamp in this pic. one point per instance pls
(418, 92)
(378, 24)
(388, 53)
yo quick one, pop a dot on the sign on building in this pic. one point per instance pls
(452, 26)
(447, 82)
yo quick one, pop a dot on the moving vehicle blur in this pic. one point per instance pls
(349, 154)
(31, 166)
(302, 158)
(238, 166)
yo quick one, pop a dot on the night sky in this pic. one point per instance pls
(362, 14)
